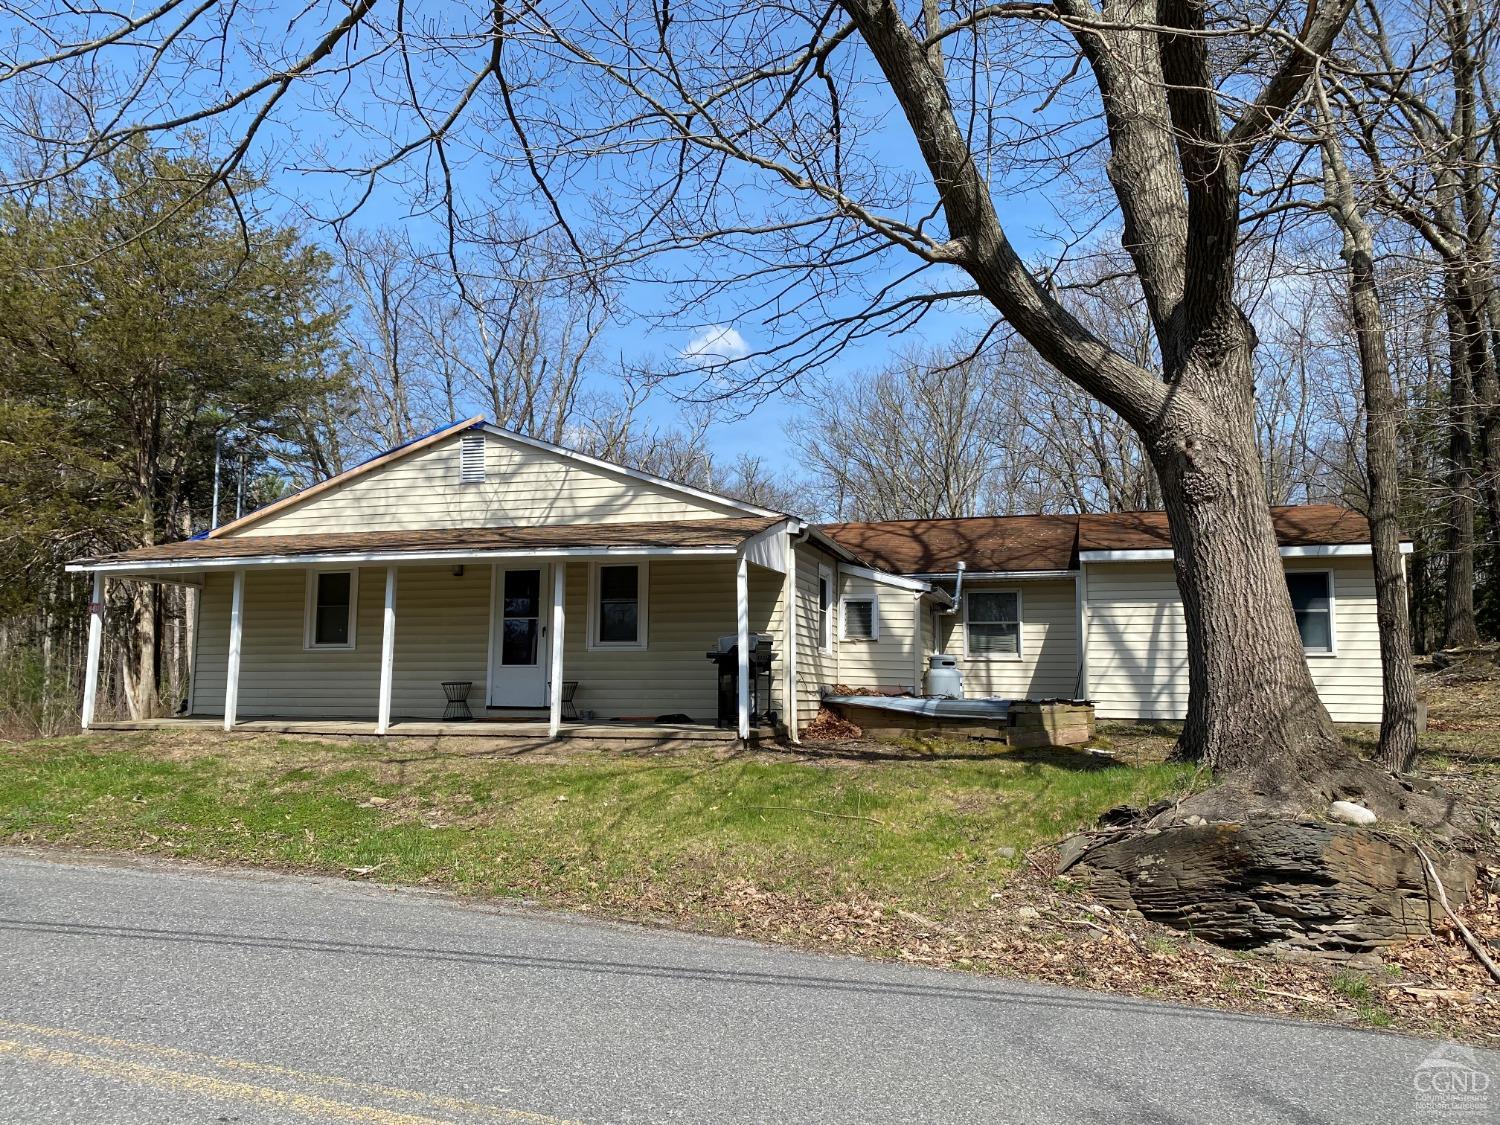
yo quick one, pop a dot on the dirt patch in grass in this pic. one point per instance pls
(934, 853)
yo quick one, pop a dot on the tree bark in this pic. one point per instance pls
(1459, 627)
(1398, 717)
(1253, 710)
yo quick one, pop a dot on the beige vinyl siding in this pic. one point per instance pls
(691, 604)
(1350, 681)
(523, 486)
(1048, 667)
(815, 669)
(277, 675)
(443, 632)
(1138, 645)
(891, 660)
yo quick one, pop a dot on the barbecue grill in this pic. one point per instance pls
(725, 657)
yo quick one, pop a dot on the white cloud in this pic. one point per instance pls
(717, 343)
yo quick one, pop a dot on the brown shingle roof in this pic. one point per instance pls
(982, 543)
(669, 533)
(1302, 525)
(1018, 543)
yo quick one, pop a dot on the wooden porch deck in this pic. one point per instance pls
(507, 732)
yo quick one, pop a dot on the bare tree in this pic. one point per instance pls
(917, 440)
(1398, 724)
(1428, 128)
(521, 329)
(735, 140)
(392, 302)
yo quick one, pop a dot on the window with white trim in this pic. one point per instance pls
(1312, 603)
(861, 619)
(825, 609)
(332, 599)
(992, 624)
(617, 605)
(471, 459)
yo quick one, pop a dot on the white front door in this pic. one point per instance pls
(520, 608)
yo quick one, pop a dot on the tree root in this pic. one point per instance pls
(1476, 947)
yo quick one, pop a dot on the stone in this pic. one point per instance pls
(1245, 884)
(1073, 849)
(1347, 812)
(1027, 913)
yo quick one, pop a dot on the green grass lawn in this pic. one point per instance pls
(911, 852)
(686, 833)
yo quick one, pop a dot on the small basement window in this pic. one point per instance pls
(617, 605)
(1312, 602)
(471, 459)
(861, 619)
(992, 624)
(332, 597)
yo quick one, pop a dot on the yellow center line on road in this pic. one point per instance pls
(188, 1082)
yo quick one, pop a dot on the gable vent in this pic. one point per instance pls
(471, 459)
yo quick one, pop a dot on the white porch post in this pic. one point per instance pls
(96, 642)
(236, 632)
(387, 653)
(791, 608)
(1081, 598)
(555, 671)
(742, 640)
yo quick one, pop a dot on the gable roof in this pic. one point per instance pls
(999, 544)
(624, 470)
(478, 422)
(395, 453)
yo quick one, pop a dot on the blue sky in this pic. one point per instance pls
(307, 133)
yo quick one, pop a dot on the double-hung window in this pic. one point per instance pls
(617, 605)
(332, 597)
(1312, 602)
(992, 624)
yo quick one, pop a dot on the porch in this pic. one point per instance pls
(581, 635)
(512, 734)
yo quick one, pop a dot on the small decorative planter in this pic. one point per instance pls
(457, 694)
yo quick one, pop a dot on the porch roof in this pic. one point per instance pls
(699, 537)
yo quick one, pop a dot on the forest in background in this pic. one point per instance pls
(155, 326)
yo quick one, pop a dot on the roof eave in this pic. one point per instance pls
(457, 554)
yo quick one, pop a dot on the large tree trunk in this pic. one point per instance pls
(1458, 606)
(1253, 711)
(1398, 722)
(1252, 708)
(140, 654)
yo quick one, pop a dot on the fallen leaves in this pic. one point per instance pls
(828, 727)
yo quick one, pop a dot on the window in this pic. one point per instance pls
(471, 459)
(992, 624)
(332, 597)
(825, 609)
(617, 605)
(861, 619)
(1312, 602)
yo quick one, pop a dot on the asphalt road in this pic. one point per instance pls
(145, 993)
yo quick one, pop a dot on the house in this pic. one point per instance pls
(477, 555)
